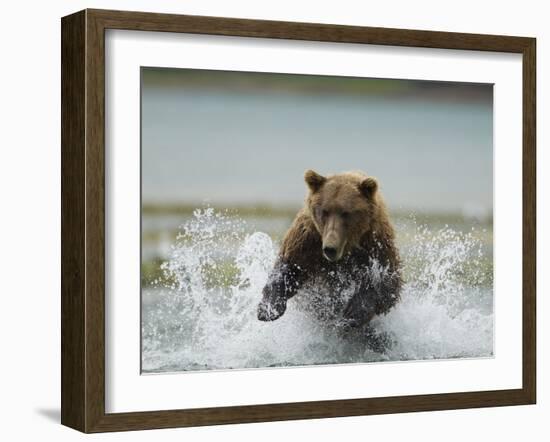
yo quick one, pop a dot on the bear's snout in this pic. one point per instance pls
(333, 238)
(333, 251)
(330, 253)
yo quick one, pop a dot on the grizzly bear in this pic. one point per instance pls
(342, 239)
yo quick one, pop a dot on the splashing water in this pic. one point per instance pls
(205, 316)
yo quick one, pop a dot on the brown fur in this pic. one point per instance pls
(344, 228)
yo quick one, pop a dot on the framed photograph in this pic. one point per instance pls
(269, 220)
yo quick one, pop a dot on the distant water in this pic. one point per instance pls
(206, 317)
(245, 148)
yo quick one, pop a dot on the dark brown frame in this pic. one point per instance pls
(83, 218)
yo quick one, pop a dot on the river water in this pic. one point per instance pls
(202, 316)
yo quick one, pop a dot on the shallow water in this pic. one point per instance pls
(205, 317)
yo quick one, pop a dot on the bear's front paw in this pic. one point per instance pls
(270, 311)
(273, 303)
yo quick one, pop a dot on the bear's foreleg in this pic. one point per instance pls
(283, 283)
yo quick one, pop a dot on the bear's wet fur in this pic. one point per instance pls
(343, 239)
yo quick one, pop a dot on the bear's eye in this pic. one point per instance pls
(324, 213)
(346, 215)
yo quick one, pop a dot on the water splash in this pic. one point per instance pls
(446, 310)
(205, 316)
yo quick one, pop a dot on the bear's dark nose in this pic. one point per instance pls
(329, 252)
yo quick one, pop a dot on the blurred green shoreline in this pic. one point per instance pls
(265, 210)
(161, 224)
(205, 80)
(243, 211)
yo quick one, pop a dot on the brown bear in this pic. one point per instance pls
(342, 238)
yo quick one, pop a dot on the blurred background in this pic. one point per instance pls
(240, 142)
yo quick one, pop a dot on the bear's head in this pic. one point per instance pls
(343, 208)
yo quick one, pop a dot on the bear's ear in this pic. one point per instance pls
(314, 180)
(368, 187)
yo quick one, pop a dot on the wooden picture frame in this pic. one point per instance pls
(83, 220)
